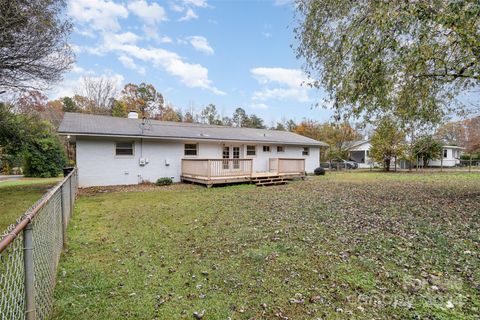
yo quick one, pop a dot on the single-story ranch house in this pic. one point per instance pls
(359, 151)
(121, 151)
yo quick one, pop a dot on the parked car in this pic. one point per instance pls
(338, 163)
(319, 171)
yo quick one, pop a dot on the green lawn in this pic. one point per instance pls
(17, 196)
(346, 245)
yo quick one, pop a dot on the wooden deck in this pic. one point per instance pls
(227, 171)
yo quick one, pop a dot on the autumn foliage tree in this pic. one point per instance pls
(334, 134)
(427, 148)
(387, 143)
(406, 58)
(144, 99)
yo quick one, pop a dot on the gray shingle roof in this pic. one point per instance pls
(80, 124)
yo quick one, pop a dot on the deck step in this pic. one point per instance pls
(271, 183)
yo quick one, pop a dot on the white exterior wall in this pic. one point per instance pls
(451, 160)
(99, 166)
(261, 159)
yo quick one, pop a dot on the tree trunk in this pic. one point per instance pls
(387, 164)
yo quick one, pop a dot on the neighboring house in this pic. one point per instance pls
(359, 151)
(121, 151)
(450, 157)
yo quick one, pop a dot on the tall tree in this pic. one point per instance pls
(253, 121)
(35, 103)
(119, 109)
(209, 115)
(473, 134)
(143, 98)
(98, 93)
(69, 105)
(239, 117)
(387, 142)
(452, 133)
(290, 125)
(334, 134)
(26, 137)
(32, 102)
(427, 148)
(170, 114)
(188, 117)
(34, 50)
(409, 58)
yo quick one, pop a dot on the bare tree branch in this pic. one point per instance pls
(34, 52)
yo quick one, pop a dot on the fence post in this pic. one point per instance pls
(29, 272)
(71, 199)
(64, 219)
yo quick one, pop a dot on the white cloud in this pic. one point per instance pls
(187, 7)
(111, 41)
(289, 77)
(97, 14)
(77, 69)
(281, 93)
(201, 44)
(196, 3)
(150, 13)
(165, 39)
(280, 83)
(176, 7)
(151, 33)
(189, 15)
(190, 74)
(128, 63)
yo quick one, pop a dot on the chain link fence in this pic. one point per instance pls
(30, 251)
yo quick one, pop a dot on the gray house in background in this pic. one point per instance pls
(121, 151)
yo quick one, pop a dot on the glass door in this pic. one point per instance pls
(236, 155)
(226, 155)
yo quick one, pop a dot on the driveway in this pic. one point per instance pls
(10, 177)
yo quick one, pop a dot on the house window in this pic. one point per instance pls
(266, 148)
(306, 151)
(280, 149)
(445, 153)
(226, 156)
(124, 149)
(251, 151)
(191, 149)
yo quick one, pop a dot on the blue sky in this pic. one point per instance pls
(196, 52)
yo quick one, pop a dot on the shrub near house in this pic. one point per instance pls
(44, 158)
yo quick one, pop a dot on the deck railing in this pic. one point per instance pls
(287, 165)
(213, 168)
(219, 168)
